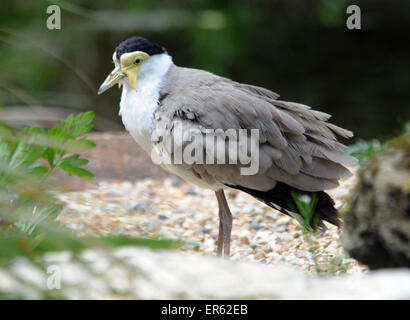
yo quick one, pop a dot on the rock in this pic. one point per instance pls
(377, 217)
(140, 273)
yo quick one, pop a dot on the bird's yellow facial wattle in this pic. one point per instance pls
(129, 66)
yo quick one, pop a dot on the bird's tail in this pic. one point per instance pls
(281, 198)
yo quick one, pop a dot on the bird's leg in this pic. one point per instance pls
(219, 248)
(225, 224)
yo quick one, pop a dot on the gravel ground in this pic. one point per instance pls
(174, 209)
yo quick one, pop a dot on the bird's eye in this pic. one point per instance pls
(138, 61)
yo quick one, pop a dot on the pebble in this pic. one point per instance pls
(255, 225)
(243, 241)
(174, 209)
(282, 228)
(206, 230)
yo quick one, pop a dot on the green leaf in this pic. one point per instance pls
(33, 131)
(5, 151)
(85, 144)
(82, 173)
(37, 171)
(49, 154)
(24, 154)
(66, 136)
(73, 161)
(75, 126)
(72, 165)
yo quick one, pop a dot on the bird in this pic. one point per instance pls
(298, 150)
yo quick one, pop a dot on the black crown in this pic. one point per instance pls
(138, 44)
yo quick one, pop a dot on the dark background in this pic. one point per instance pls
(299, 49)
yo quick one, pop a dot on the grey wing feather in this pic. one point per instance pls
(297, 145)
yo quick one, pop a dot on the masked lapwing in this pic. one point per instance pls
(294, 147)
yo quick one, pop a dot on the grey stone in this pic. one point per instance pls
(377, 217)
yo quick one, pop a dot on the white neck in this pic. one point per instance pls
(137, 107)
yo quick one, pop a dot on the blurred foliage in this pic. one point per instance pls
(407, 127)
(363, 150)
(28, 208)
(300, 49)
(331, 13)
(19, 154)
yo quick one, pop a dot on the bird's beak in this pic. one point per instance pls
(113, 78)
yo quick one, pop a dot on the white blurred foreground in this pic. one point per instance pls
(137, 273)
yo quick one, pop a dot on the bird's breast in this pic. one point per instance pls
(137, 110)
